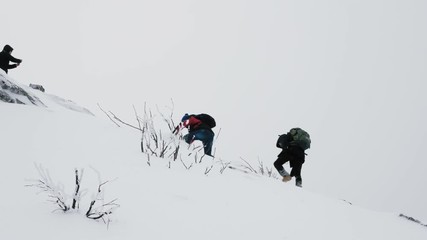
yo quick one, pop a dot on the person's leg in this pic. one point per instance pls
(206, 136)
(278, 164)
(207, 144)
(208, 141)
(298, 181)
(296, 172)
(296, 162)
(189, 138)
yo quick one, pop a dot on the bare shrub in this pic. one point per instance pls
(164, 141)
(98, 208)
(153, 140)
(77, 193)
(208, 169)
(265, 171)
(224, 165)
(55, 192)
(261, 170)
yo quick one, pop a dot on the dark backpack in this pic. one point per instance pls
(282, 141)
(299, 138)
(206, 119)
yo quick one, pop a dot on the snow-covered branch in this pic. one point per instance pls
(55, 192)
(98, 208)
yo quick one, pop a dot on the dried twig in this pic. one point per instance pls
(248, 166)
(77, 193)
(108, 115)
(169, 121)
(208, 169)
(125, 123)
(224, 166)
(175, 153)
(164, 148)
(54, 192)
(140, 127)
(261, 167)
(183, 163)
(148, 159)
(103, 210)
(217, 135)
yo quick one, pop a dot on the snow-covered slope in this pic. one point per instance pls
(160, 200)
(13, 92)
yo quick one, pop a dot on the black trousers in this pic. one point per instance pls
(295, 156)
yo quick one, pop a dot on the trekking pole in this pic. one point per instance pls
(175, 131)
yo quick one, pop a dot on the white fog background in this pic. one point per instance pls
(351, 73)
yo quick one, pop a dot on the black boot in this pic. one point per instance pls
(298, 182)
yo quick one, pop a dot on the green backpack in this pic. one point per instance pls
(300, 138)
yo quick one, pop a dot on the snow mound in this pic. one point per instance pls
(13, 92)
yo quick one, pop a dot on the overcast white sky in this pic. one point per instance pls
(352, 73)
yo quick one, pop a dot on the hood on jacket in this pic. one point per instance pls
(7, 49)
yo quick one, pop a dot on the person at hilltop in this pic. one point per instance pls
(199, 128)
(6, 57)
(293, 145)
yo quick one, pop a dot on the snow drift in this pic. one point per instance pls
(160, 200)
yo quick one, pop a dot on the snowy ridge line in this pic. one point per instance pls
(10, 92)
(412, 219)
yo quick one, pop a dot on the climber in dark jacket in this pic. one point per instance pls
(293, 154)
(6, 57)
